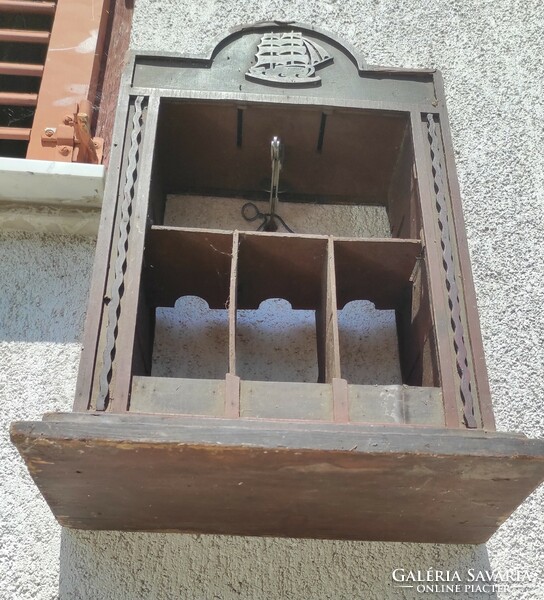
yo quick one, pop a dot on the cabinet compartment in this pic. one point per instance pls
(256, 309)
(391, 275)
(184, 310)
(344, 172)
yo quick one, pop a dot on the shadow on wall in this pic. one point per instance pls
(143, 566)
(44, 279)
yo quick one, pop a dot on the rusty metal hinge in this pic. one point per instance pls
(73, 137)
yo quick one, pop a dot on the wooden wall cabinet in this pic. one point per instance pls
(330, 458)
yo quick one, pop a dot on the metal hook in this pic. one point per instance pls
(275, 154)
(250, 212)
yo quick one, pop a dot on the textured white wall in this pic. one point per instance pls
(491, 53)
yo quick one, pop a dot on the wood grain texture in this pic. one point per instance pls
(95, 324)
(355, 164)
(396, 404)
(178, 396)
(326, 321)
(292, 401)
(133, 311)
(286, 400)
(233, 304)
(325, 481)
(280, 266)
(111, 69)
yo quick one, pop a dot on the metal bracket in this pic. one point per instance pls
(73, 137)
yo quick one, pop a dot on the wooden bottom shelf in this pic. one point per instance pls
(167, 473)
(273, 400)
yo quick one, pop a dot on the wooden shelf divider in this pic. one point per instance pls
(232, 381)
(328, 345)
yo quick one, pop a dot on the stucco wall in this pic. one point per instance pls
(491, 53)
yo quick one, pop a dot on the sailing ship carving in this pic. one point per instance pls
(288, 58)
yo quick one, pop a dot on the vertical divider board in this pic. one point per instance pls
(288, 267)
(333, 373)
(416, 332)
(233, 303)
(328, 344)
(232, 381)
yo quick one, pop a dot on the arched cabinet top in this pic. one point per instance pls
(282, 60)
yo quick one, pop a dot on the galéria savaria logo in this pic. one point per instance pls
(437, 581)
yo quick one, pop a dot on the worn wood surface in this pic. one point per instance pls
(220, 476)
(233, 303)
(350, 80)
(276, 400)
(403, 199)
(173, 395)
(113, 64)
(326, 321)
(134, 314)
(354, 165)
(94, 320)
(396, 404)
(340, 400)
(286, 400)
(416, 333)
(250, 472)
(232, 406)
(373, 152)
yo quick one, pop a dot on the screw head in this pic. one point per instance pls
(68, 120)
(49, 131)
(64, 150)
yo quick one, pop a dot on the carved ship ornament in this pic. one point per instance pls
(288, 58)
